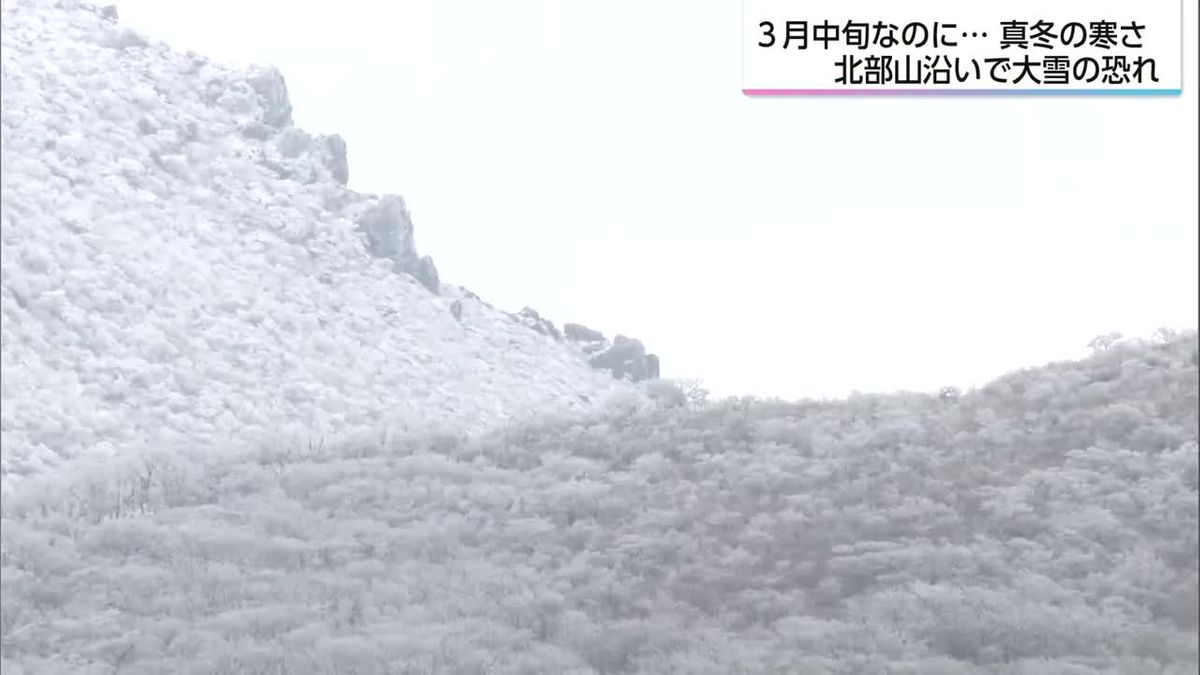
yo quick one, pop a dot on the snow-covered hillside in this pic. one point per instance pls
(1044, 525)
(181, 265)
(286, 452)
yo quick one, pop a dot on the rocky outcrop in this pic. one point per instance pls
(426, 273)
(625, 359)
(293, 154)
(385, 221)
(269, 84)
(652, 369)
(389, 230)
(529, 317)
(580, 333)
(588, 340)
(334, 157)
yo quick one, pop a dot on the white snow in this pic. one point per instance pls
(169, 300)
(162, 284)
(1045, 524)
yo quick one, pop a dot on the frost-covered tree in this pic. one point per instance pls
(1046, 522)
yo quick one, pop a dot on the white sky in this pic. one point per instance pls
(598, 162)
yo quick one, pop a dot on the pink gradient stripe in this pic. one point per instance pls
(959, 92)
(869, 92)
(830, 92)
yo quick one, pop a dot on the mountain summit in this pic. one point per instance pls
(182, 264)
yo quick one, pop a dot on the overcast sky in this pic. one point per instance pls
(598, 162)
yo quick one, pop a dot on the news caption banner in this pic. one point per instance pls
(947, 47)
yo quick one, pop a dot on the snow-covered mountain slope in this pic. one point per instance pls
(180, 264)
(1045, 524)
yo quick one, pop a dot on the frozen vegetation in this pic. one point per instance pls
(1046, 523)
(248, 430)
(182, 265)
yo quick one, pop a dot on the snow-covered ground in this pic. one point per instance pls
(165, 284)
(1044, 525)
(273, 471)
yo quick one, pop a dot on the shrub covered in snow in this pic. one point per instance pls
(1046, 523)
